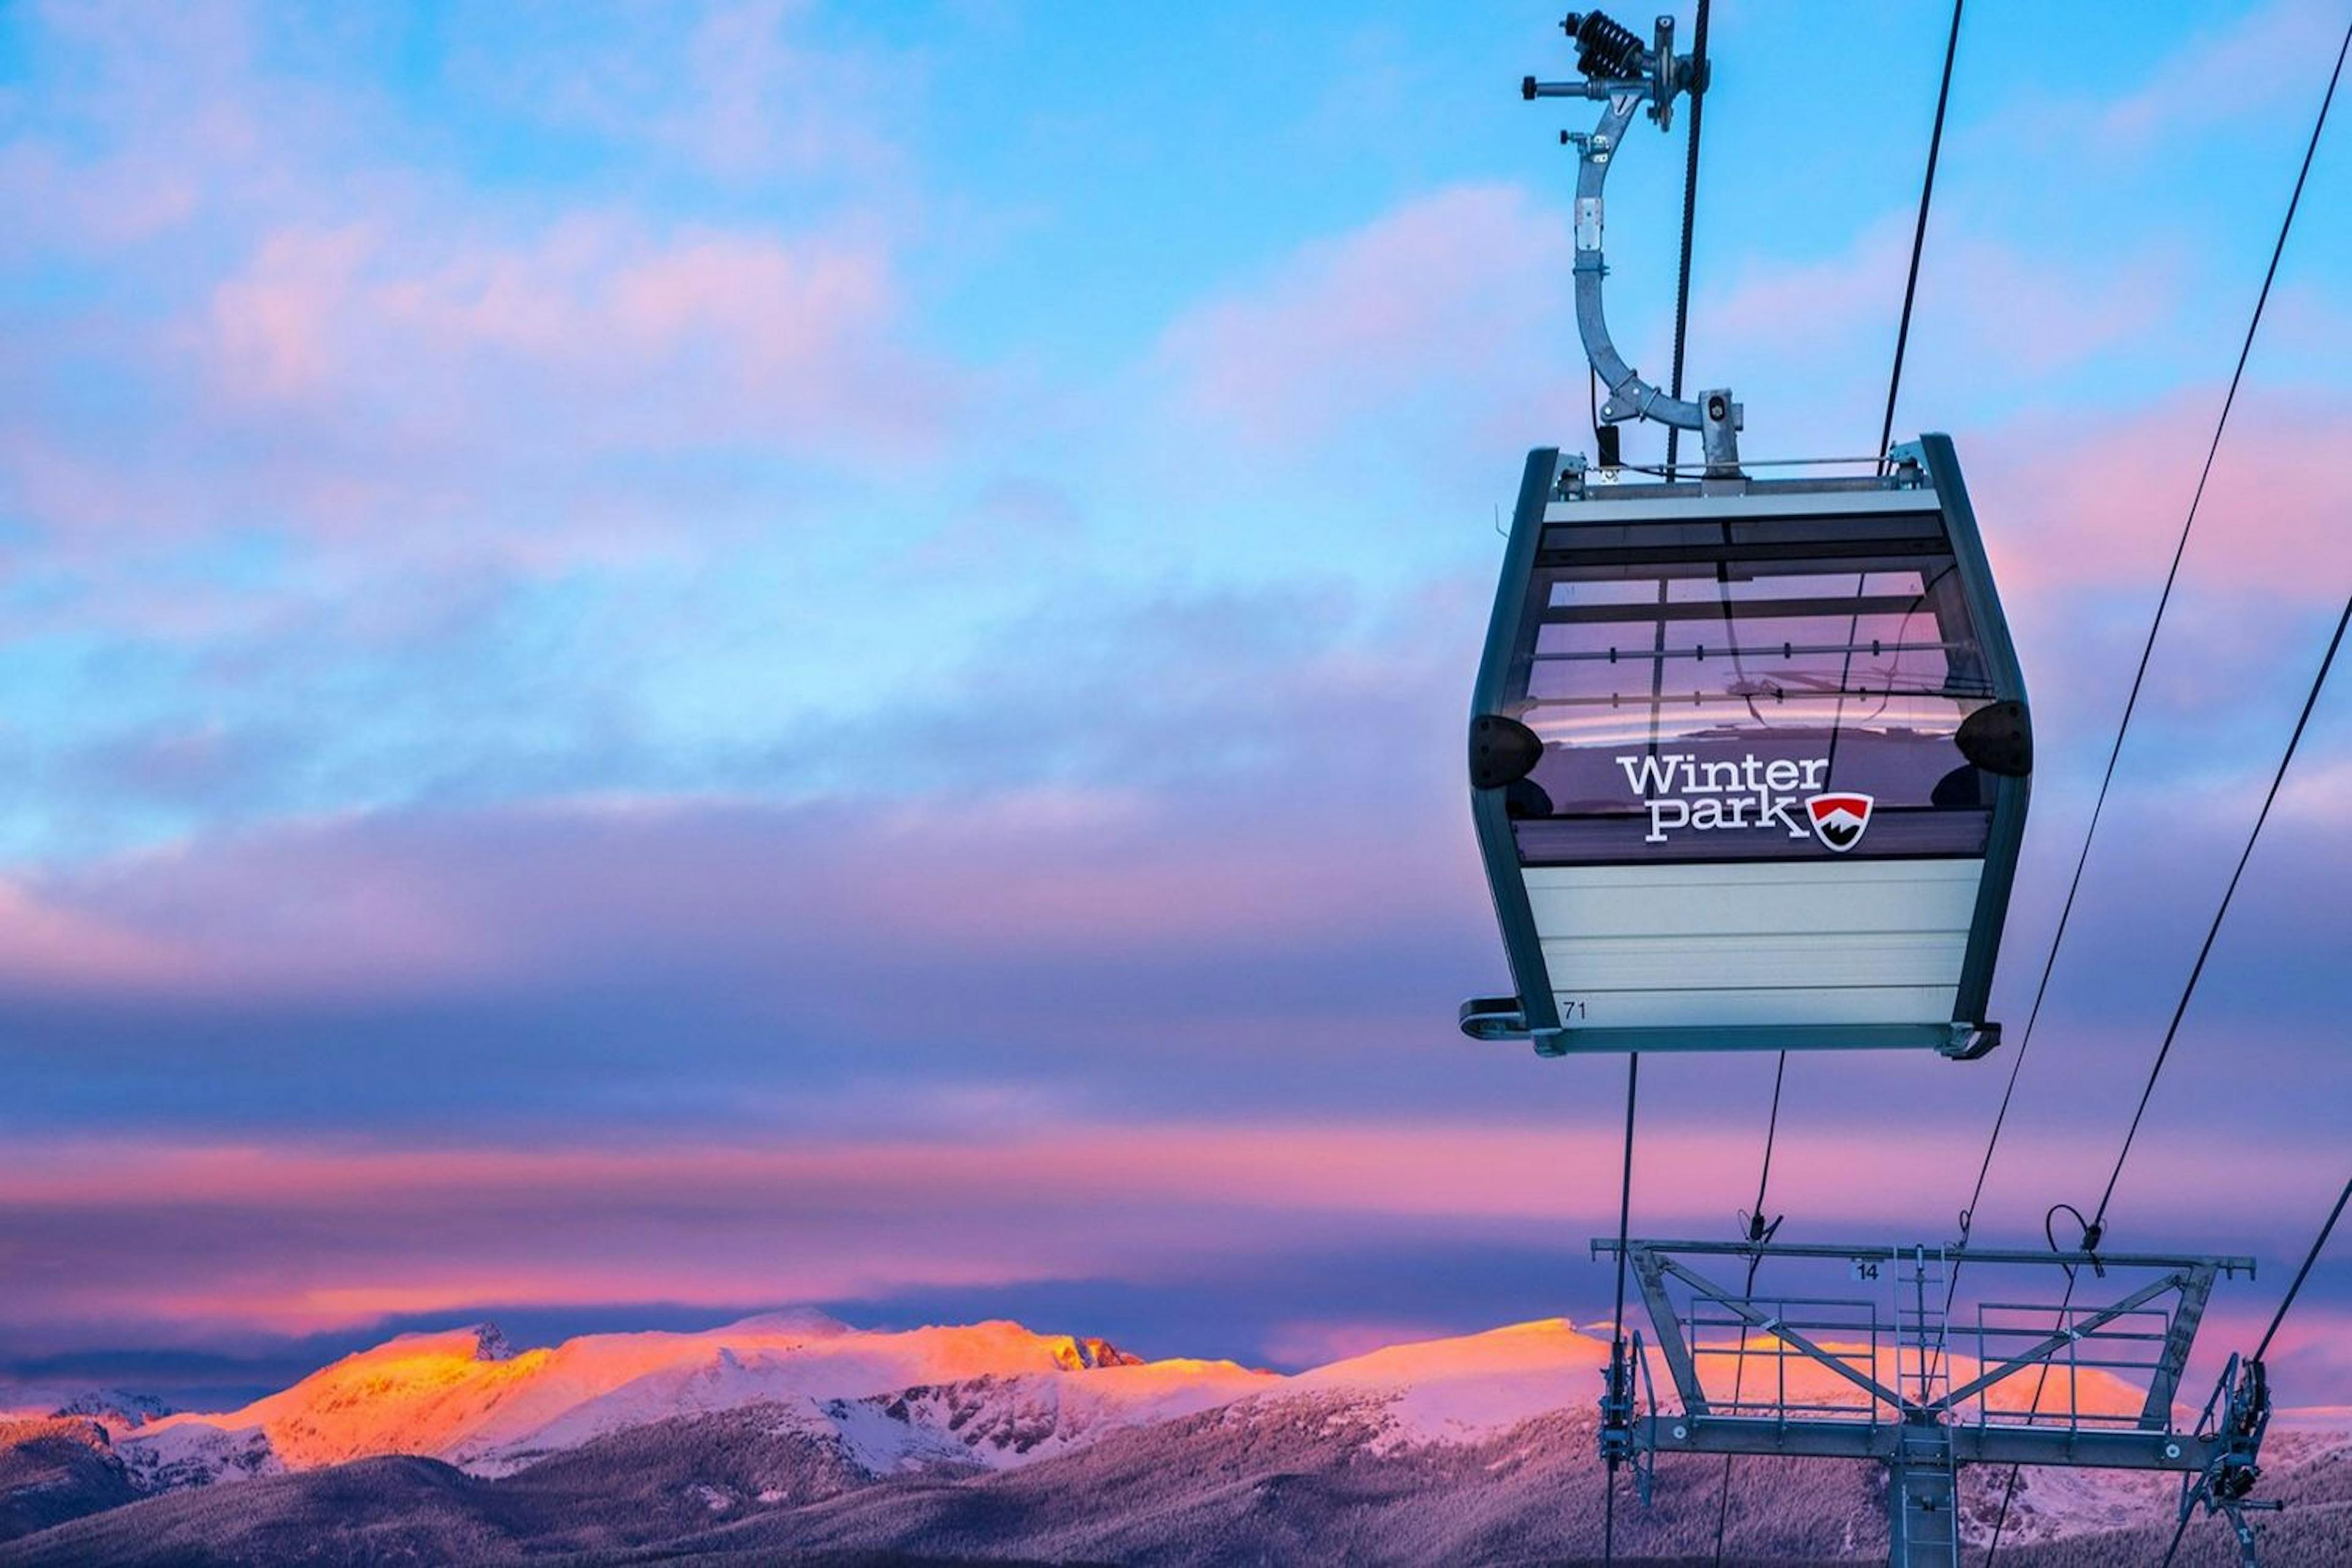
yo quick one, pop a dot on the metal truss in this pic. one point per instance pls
(1878, 1380)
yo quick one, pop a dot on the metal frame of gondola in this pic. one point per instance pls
(1548, 482)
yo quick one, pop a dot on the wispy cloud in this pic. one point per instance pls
(1437, 299)
(348, 342)
(299, 1239)
(592, 336)
(2184, 91)
(743, 89)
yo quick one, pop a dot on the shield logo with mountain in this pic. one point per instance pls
(1839, 819)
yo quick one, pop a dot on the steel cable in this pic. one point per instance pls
(2317, 1244)
(1690, 214)
(2197, 970)
(1617, 1341)
(1919, 234)
(2131, 703)
(2148, 650)
(2295, 200)
(2095, 1227)
(2178, 1530)
(1757, 1231)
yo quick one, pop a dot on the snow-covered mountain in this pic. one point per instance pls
(119, 1408)
(992, 1393)
(792, 1433)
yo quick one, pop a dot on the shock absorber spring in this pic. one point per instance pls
(1605, 50)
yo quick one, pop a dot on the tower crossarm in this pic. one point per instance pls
(2144, 1333)
(2043, 1351)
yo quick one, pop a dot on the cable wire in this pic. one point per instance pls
(2178, 1530)
(1617, 1332)
(2041, 1378)
(2295, 200)
(2147, 648)
(1690, 213)
(2197, 970)
(1919, 234)
(2096, 1229)
(1756, 1227)
(2318, 1243)
(1757, 1231)
(1771, 1134)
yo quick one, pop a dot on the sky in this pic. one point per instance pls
(663, 660)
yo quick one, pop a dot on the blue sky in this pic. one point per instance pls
(1067, 241)
(855, 584)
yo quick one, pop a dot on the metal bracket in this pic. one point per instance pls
(1569, 486)
(1620, 1415)
(1662, 74)
(2235, 1417)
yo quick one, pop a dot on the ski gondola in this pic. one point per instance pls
(1748, 757)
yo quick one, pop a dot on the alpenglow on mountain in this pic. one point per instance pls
(792, 1433)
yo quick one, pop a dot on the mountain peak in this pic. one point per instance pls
(1084, 1354)
(804, 1320)
(114, 1404)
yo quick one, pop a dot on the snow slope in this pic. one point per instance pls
(809, 1434)
(1439, 1391)
(989, 1395)
(464, 1397)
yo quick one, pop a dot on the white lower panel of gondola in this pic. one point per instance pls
(1756, 943)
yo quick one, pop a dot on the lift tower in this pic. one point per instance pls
(1883, 1367)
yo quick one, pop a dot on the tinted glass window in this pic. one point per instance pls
(1755, 665)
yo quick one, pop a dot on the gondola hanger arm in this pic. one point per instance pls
(1622, 75)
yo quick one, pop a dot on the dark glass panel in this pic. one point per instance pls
(1842, 650)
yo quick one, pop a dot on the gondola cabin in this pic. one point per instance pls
(1749, 763)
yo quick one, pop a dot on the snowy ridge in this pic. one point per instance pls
(989, 1395)
(119, 1410)
(1441, 1391)
(786, 1434)
(1000, 1422)
(467, 1397)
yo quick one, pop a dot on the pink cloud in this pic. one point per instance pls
(693, 337)
(98, 206)
(391, 359)
(420, 386)
(761, 101)
(2177, 93)
(44, 945)
(2091, 502)
(304, 1237)
(404, 905)
(734, 87)
(1787, 333)
(275, 325)
(154, 120)
(1444, 287)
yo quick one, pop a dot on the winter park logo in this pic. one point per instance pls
(1839, 819)
(1681, 791)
